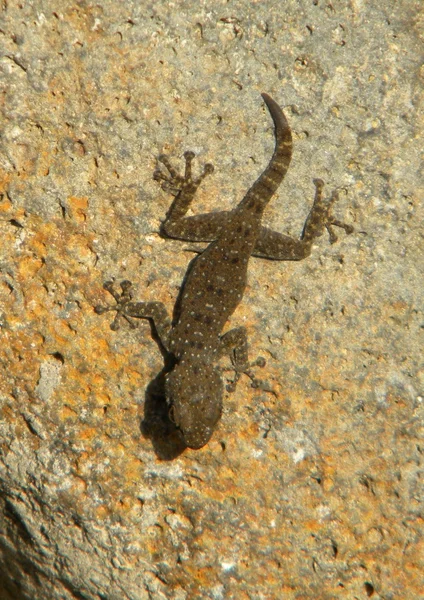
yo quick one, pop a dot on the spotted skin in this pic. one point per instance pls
(216, 281)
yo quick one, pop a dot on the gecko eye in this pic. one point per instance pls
(171, 415)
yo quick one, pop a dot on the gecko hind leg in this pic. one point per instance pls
(277, 246)
(321, 217)
(128, 310)
(235, 343)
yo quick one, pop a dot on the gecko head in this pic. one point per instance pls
(194, 395)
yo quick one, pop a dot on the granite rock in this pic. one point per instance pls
(312, 485)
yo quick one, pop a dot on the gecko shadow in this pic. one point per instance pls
(156, 425)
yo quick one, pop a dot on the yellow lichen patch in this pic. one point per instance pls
(132, 377)
(5, 205)
(26, 340)
(204, 577)
(100, 345)
(102, 512)
(5, 179)
(97, 412)
(67, 413)
(88, 433)
(38, 244)
(36, 295)
(44, 161)
(250, 431)
(78, 208)
(78, 245)
(132, 469)
(78, 487)
(101, 399)
(22, 345)
(123, 504)
(107, 360)
(29, 267)
(61, 336)
(74, 398)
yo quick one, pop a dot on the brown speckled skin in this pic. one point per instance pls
(216, 282)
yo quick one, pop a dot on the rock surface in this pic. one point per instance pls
(310, 488)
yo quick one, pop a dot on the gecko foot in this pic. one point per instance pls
(321, 216)
(256, 383)
(122, 300)
(173, 182)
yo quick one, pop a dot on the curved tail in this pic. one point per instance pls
(267, 183)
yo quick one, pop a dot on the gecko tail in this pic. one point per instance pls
(281, 158)
(266, 185)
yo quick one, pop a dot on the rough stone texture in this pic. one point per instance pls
(308, 490)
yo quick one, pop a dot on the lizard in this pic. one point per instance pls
(216, 280)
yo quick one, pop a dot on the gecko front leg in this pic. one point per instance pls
(126, 309)
(183, 187)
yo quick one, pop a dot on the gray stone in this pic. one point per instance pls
(310, 488)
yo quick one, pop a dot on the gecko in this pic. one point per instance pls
(216, 280)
